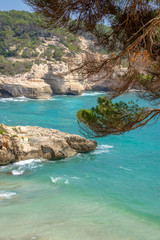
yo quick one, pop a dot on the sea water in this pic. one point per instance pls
(111, 193)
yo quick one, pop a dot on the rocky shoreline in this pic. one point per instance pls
(22, 143)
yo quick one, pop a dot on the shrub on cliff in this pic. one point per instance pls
(10, 68)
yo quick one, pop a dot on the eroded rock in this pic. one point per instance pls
(22, 143)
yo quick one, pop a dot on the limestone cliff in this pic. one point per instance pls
(35, 60)
(41, 82)
(48, 76)
(54, 78)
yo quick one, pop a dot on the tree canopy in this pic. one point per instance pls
(134, 35)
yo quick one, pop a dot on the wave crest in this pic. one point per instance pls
(104, 148)
(6, 195)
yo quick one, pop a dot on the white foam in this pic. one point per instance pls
(102, 149)
(127, 169)
(7, 195)
(92, 93)
(51, 99)
(25, 162)
(104, 146)
(17, 172)
(66, 182)
(18, 99)
(75, 177)
(24, 99)
(55, 180)
(3, 167)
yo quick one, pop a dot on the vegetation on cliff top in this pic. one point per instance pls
(22, 34)
(23, 37)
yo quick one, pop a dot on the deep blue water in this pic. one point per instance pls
(112, 193)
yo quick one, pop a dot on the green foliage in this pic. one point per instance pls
(15, 129)
(39, 61)
(18, 29)
(3, 130)
(73, 47)
(22, 32)
(144, 78)
(108, 117)
(11, 68)
(14, 136)
(29, 53)
(58, 54)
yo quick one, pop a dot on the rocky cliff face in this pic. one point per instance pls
(22, 143)
(62, 82)
(104, 81)
(54, 78)
(42, 81)
(36, 89)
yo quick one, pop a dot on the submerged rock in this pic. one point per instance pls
(22, 143)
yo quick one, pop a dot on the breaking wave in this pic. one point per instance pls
(92, 94)
(55, 180)
(12, 99)
(17, 172)
(6, 195)
(102, 149)
(26, 162)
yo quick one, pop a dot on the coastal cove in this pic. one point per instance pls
(111, 193)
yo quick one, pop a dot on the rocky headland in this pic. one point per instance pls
(22, 143)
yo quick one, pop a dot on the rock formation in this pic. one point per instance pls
(41, 82)
(104, 81)
(36, 89)
(22, 143)
(47, 79)
(62, 82)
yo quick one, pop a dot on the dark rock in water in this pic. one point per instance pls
(22, 143)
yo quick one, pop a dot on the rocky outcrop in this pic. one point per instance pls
(25, 85)
(22, 143)
(36, 89)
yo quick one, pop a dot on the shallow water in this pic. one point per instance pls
(112, 193)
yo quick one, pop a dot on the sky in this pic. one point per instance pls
(6, 5)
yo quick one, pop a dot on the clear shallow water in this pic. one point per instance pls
(112, 193)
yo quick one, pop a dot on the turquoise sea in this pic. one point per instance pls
(112, 193)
